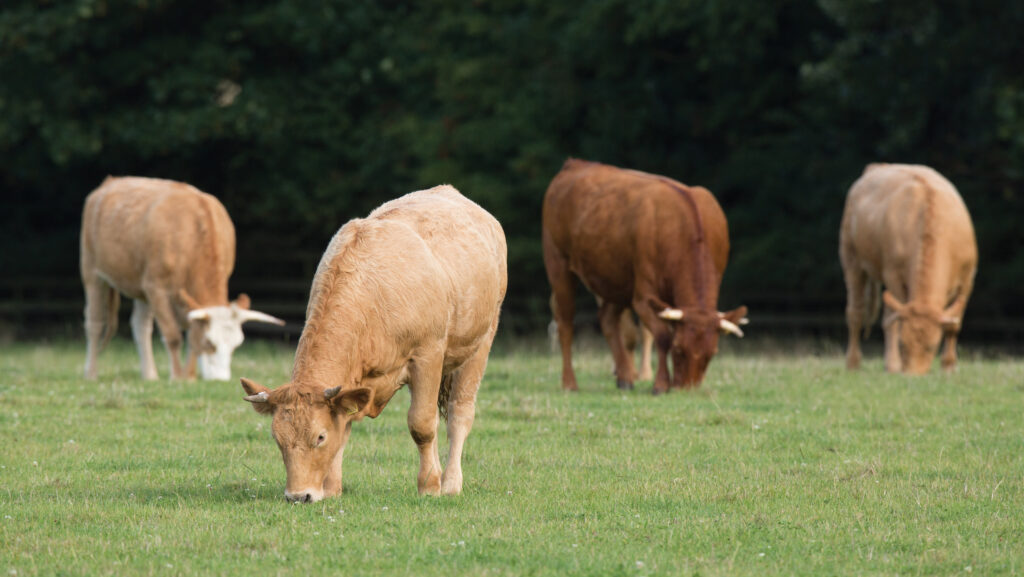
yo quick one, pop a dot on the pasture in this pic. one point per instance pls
(778, 465)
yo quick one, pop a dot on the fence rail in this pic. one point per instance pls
(32, 306)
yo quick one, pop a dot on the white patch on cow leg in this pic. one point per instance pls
(645, 358)
(142, 331)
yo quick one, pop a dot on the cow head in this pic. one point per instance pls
(920, 331)
(311, 426)
(695, 338)
(215, 333)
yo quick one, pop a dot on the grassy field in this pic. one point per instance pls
(778, 465)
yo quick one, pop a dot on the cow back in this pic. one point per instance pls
(139, 232)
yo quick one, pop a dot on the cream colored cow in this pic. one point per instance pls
(171, 248)
(410, 295)
(906, 227)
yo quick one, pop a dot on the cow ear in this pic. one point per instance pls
(243, 302)
(258, 395)
(737, 316)
(350, 403)
(892, 302)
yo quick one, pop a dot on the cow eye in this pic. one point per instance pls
(320, 440)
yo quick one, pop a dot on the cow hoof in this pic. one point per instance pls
(623, 385)
(659, 391)
(570, 388)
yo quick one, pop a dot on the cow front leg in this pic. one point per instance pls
(662, 337)
(647, 343)
(424, 385)
(949, 351)
(893, 361)
(611, 319)
(170, 330)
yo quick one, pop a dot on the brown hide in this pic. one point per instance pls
(164, 243)
(408, 296)
(639, 241)
(906, 227)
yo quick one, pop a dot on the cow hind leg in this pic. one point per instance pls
(611, 319)
(856, 312)
(461, 413)
(142, 330)
(424, 388)
(564, 309)
(101, 305)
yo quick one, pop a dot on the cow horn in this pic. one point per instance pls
(331, 392)
(742, 321)
(249, 315)
(261, 397)
(671, 314)
(198, 315)
(730, 327)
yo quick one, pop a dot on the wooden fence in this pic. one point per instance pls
(33, 307)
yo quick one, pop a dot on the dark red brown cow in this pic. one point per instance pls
(645, 242)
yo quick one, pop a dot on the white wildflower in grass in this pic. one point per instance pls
(760, 554)
(330, 519)
(639, 564)
(35, 463)
(384, 508)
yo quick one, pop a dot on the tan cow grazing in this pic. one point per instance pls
(410, 295)
(171, 248)
(645, 242)
(906, 227)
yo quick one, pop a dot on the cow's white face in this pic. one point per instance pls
(222, 336)
(219, 334)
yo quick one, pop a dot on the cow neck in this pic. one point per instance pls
(209, 283)
(922, 289)
(699, 247)
(328, 350)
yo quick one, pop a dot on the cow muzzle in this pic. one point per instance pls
(303, 496)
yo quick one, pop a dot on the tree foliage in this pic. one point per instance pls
(302, 114)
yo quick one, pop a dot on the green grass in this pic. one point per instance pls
(777, 465)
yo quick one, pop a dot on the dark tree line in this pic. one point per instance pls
(301, 114)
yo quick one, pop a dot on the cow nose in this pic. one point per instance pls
(303, 497)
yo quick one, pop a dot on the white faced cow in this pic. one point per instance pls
(410, 295)
(171, 248)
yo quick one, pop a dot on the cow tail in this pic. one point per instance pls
(873, 305)
(110, 327)
(444, 394)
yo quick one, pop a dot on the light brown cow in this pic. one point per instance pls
(171, 248)
(645, 242)
(410, 295)
(906, 227)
